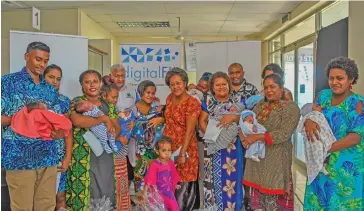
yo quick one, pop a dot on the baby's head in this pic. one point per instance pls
(37, 105)
(164, 148)
(109, 92)
(307, 108)
(249, 118)
(191, 86)
(83, 106)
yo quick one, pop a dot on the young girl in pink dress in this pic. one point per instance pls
(162, 174)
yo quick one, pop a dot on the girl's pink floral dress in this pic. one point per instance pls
(165, 177)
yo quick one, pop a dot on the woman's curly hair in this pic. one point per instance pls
(219, 75)
(346, 64)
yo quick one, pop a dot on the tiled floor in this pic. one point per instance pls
(299, 177)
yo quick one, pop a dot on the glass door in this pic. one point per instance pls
(289, 71)
(305, 89)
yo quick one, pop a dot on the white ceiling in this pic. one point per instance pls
(225, 18)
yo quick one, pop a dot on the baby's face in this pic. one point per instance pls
(85, 106)
(249, 119)
(191, 86)
(43, 106)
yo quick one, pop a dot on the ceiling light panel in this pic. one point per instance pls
(149, 24)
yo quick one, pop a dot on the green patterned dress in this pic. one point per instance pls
(78, 175)
(343, 189)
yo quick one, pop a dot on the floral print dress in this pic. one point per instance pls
(145, 138)
(343, 188)
(223, 170)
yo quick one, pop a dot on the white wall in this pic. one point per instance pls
(61, 21)
(356, 44)
(68, 52)
(217, 56)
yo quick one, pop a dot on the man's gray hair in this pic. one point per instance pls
(116, 67)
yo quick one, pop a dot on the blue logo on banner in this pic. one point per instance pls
(134, 54)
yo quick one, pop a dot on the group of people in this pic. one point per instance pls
(122, 136)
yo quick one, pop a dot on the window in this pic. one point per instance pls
(289, 71)
(275, 58)
(334, 13)
(305, 93)
(300, 31)
(275, 44)
(274, 50)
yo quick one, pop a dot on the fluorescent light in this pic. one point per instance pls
(151, 24)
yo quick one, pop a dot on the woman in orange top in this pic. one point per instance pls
(182, 111)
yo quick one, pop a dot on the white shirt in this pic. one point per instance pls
(127, 97)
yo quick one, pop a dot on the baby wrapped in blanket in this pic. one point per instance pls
(250, 125)
(226, 135)
(125, 117)
(316, 152)
(107, 139)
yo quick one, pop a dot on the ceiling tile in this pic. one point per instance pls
(136, 7)
(196, 33)
(203, 18)
(110, 25)
(235, 24)
(239, 29)
(116, 30)
(199, 7)
(147, 30)
(197, 17)
(120, 33)
(264, 7)
(61, 4)
(198, 24)
(101, 18)
(255, 17)
(233, 34)
(193, 29)
(147, 34)
(95, 11)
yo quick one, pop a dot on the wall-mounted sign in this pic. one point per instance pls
(36, 18)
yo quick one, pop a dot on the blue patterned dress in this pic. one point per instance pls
(343, 189)
(19, 152)
(146, 138)
(62, 107)
(223, 170)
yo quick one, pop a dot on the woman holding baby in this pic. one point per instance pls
(147, 129)
(343, 188)
(90, 176)
(53, 74)
(223, 164)
(271, 175)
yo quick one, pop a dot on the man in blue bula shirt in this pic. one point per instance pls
(30, 164)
